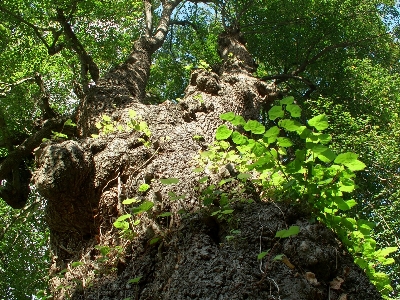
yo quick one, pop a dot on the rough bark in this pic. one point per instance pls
(85, 181)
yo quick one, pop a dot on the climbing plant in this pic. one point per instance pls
(312, 176)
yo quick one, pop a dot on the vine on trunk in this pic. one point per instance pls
(312, 176)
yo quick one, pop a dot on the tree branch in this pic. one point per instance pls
(163, 24)
(14, 173)
(47, 111)
(148, 17)
(87, 63)
(284, 77)
(184, 23)
(6, 87)
(325, 50)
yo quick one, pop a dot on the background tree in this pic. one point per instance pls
(336, 57)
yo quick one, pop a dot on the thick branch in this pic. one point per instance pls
(87, 63)
(148, 17)
(47, 111)
(26, 148)
(13, 170)
(163, 24)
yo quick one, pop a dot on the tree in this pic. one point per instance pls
(175, 247)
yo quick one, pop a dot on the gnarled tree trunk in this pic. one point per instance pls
(85, 181)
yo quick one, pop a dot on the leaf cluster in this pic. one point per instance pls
(312, 176)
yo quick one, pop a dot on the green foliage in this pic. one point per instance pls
(107, 126)
(135, 280)
(311, 175)
(284, 233)
(24, 251)
(365, 120)
(143, 187)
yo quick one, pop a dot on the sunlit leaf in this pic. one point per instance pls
(320, 122)
(223, 132)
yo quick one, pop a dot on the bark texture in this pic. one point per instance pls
(85, 181)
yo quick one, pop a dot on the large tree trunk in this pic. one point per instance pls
(85, 181)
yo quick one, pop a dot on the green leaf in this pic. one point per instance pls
(132, 114)
(349, 159)
(154, 240)
(238, 120)
(254, 126)
(69, 123)
(104, 250)
(227, 212)
(144, 187)
(145, 206)
(123, 225)
(319, 122)
(223, 132)
(244, 176)
(385, 251)
(388, 261)
(272, 132)
(203, 179)
(165, 214)
(290, 125)
(293, 230)
(123, 217)
(316, 148)
(259, 149)
(198, 170)
(324, 138)
(223, 181)
(284, 142)
(275, 112)
(238, 138)
(261, 255)
(365, 226)
(287, 100)
(327, 156)
(343, 205)
(346, 185)
(304, 132)
(106, 118)
(279, 257)
(295, 110)
(295, 166)
(173, 196)
(135, 280)
(169, 180)
(350, 203)
(130, 201)
(362, 263)
(76, 264)
(229, 116)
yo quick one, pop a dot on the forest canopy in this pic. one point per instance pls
(338, 58)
